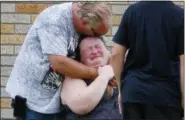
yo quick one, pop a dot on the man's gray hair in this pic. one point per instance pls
(94, 12)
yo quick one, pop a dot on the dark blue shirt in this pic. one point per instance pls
(153, 32)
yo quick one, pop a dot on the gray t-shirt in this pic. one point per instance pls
(32, 77)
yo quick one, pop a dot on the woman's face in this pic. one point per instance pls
(93, 52)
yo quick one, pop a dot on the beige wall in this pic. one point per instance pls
(16, 19)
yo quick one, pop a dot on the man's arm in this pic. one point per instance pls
(117, 59)
(72, 68)
(82, 99)
(54, 43)
(182, 77)
(121, 45)
(117, 62)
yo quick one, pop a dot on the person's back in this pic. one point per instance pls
(153, 33)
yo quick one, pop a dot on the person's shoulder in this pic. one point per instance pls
(135, 7)
(179, 10)
(63, 6)
(57, 14)
(56, 8)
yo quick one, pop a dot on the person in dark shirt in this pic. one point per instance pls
(152, 77)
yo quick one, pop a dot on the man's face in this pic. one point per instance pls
(93, 52)
(98, 29)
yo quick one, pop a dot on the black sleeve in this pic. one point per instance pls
(121, 36)
(180, 39)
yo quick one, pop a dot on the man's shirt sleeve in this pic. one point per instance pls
(53, 40)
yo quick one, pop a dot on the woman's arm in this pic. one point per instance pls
(79, 97)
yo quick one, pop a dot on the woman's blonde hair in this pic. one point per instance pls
(94, 12)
